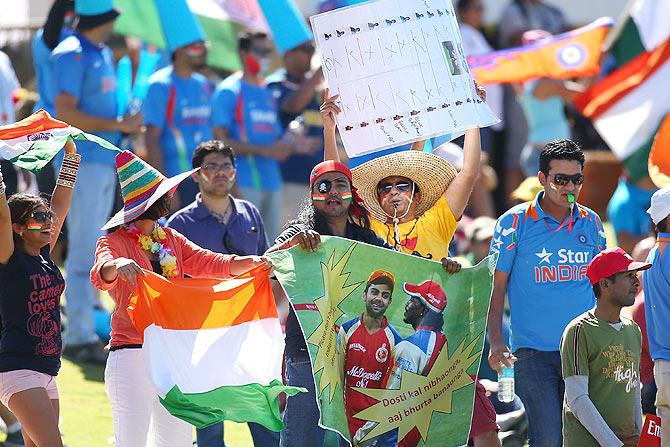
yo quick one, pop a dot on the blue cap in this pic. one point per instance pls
(180, 26)
(93, 7)
(289, 27)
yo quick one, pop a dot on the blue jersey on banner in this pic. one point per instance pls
(43, 70)
(250, 114)
(546, 261)
(87, 72)
(182, 109)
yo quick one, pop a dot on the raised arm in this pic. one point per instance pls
(459, 190)
(62, 194)
(6, 232)
(328, 112)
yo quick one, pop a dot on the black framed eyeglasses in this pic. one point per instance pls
(42, 216)
(563, 179)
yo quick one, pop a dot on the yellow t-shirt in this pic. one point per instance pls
(427, 236)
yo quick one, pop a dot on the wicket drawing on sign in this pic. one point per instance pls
(400, 73)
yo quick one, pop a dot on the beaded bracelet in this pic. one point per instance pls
(2, 184)
(68, 170)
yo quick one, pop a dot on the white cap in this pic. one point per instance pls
(660, 205)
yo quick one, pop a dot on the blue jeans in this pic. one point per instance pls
(92, 202)
(539, 384)
(301, 417)
(212, 436)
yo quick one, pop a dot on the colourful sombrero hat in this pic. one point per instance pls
(141, 187)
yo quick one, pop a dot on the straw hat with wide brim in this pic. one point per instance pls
(431, 174)
(141, 187)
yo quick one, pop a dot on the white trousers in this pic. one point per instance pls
(139, 418)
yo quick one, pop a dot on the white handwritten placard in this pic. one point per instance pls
(400, 71)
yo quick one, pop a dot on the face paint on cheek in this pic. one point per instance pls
(231, 177)
(205, 176)
(346, 196)
(318, 198)
(35, 227)
(553, 187)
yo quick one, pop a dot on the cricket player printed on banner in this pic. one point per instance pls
(395, 70)
(363, 390)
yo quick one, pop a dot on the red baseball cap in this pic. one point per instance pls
(611, 261)
(328, 166)
(381, 273)
(429, 293)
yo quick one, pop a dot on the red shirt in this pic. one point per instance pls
(365, 359)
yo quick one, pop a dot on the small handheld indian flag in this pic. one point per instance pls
(32, 142)
(213, 348)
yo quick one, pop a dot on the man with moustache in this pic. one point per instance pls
(600, 357)
(364, 346)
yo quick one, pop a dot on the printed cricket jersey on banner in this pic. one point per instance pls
(250, 114)
(182, 109)
(416, 354)
(366, 360)
(546, 261)
(87, 72)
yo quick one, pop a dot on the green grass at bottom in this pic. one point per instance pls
(87, 414)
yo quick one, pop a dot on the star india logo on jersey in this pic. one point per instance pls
(571, 266)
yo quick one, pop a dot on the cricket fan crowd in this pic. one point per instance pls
(219, 168)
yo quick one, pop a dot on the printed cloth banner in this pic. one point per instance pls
(212, 348)
(410, 377)
(569, 55)
(400, 71)
(32, 142)
(651, 432)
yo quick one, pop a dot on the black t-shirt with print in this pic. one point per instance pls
(30, 290)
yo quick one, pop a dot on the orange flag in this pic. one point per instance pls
(659, 157)
(568, 55)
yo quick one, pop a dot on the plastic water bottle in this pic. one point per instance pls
(506, 383)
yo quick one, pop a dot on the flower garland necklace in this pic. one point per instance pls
(156, 244)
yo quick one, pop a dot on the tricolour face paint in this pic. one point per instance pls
(205, 176)
(318, 198)
(34, 227)
(346, 196)
(553, 187)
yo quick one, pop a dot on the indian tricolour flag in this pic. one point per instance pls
(33, 141)
(212, 348)
(628, 106)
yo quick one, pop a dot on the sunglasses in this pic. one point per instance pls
(230, 248)
(387, 187)
(42, 216)
(563, 179)
(213, 168)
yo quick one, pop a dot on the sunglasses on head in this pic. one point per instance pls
(563, 179)
(42, 216)
(400, 186)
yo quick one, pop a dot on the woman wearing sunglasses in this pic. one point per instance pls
(29, 304)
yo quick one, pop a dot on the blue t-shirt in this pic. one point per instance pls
(546, 118)
(296, 168)
(30, 311)
(656, 285)
(250, 114)
(182, 109)
(87, 72)
(43, 70)
(627, 210)
(546, 261)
